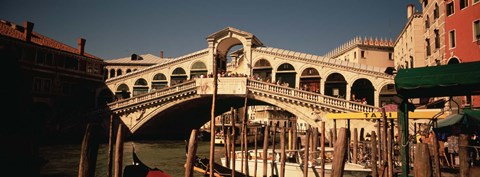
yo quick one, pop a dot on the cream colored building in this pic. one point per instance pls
(121, 66)
(371, 52)
(409, 46)
(434, 36)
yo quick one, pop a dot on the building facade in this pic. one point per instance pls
(125, 65)
(409, 45)
(462, 25)
(371, 52)
(54, 83)
(434, 36)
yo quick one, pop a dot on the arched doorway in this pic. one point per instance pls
(363, 89)
(386, 94)
(336, 85)
(178, 76)
(159, 81)
(263, 70)
(286, 75)
(122, 92)
(140, 87)
(453, 61)
(310, 80)
(198, 68)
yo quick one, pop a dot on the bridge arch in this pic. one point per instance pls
(140, 87)
(159, 81)
(310, 80)
(197, 69)
(119, 72)
(122, 92)
(335, 85)
(112, 73)
(178, 76)
(362, 88)
(263, 69)
(286, 74)
(387, 92)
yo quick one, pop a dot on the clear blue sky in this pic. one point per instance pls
(115, 29)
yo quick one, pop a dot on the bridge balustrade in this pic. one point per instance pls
(295, 94)
(310, 96)
(155, 94)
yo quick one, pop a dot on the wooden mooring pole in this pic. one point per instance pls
(355, 145)
(322, 153)
(463, 155)
(256, 153)
(110, 147)
(265, 149)
(192, 151)
(212, 117)
(306, 158)
(119, 152)
(89, 151)
(282, 153)
(421, 164)
(374, 154)
(340, 153)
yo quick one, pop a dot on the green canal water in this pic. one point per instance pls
(169, 156)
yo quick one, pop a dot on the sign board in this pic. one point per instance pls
(226, 86)
(379, 115)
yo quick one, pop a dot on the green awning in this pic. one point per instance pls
(435, 81)
(468, 116)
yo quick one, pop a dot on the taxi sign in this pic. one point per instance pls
(389, 115)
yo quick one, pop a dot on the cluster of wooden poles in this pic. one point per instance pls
(89, 151)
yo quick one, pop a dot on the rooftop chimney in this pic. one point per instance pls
(27, 32)
(410, 8)
(161, 54)
(81, 46)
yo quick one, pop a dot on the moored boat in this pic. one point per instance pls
(294, 164)
(139, 169)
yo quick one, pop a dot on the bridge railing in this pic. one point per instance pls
(310, 96)
(152, 95)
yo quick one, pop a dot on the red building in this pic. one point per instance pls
(462, 28)
(462, 33)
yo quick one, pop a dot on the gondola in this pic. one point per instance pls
(139, 169)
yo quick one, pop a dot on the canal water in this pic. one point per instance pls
(169, 156)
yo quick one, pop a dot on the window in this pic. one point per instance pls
(390, 56)
(475, 1)
(427, 22)
(452, 39)
(428, 47)
(436, 13)
(362, 54)
(437, 39)
(463, 4)
(425, 3)
(354, 55)
(476, 30)
(450, 9)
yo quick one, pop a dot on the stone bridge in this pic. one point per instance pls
(176, 95)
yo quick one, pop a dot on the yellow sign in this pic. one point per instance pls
(379, 115)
